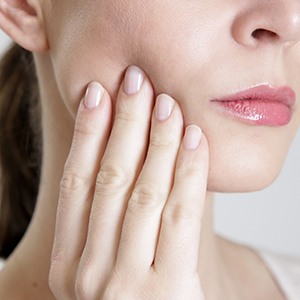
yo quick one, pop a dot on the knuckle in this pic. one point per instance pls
(84, 127)
(126, 116)
(71, 182)
(143, 197)
(112, 176)
(177, 214)
(159, 142)
(185, 170)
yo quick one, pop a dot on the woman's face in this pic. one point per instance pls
(196, 51)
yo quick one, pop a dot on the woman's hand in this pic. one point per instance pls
(130, 208)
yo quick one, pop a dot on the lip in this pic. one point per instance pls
(263, 105)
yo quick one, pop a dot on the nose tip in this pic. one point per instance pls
(263, 22)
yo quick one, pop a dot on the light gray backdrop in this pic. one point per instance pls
(267, 220)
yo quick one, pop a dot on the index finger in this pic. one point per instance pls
(76, 187)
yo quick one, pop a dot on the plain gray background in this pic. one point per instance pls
(268, 220)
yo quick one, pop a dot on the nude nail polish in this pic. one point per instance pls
(164, 107)
(192, 137)
(93, 95)
(133, 81)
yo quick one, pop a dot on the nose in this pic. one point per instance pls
(263, 22)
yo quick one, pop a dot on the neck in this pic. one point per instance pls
(32, 256)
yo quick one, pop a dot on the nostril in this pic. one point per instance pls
(264, 35)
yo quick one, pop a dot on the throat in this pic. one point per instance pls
(244, 275)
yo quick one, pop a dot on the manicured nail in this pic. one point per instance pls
(133, 81)
(164, 107)
(192, 137)
(93, 95)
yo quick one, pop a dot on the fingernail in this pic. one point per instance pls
(93, 95)
(133, 81)
(164, 107)
(192, 137)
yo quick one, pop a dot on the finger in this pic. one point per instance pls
(76, 190)
(142, 220)
(178, 245)
(120, 167)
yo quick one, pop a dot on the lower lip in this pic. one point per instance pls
(257, 112)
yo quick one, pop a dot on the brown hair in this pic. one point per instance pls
(20, 145)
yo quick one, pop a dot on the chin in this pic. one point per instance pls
(243, 174)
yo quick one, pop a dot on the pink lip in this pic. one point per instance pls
(261, 105)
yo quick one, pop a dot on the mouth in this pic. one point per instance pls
(263, 105)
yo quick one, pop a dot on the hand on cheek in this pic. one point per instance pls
(131, 199)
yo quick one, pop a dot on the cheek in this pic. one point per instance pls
(73, 75)
(98, 44)
(84, 49)
(242, 158)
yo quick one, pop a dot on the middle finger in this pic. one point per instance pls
(119, 169)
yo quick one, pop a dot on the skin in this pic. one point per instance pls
(200, 71)
(207, 53)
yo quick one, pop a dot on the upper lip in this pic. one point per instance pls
(264, 92)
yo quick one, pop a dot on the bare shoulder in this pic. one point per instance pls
(286, 271)
(249, 269)
(272, 268)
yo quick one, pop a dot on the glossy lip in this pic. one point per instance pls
(261, 105)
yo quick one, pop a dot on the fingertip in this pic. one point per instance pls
(93, 96)
(133, 81)
(194, 149)
(192, 137)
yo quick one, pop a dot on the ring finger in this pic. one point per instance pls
(143, 216)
